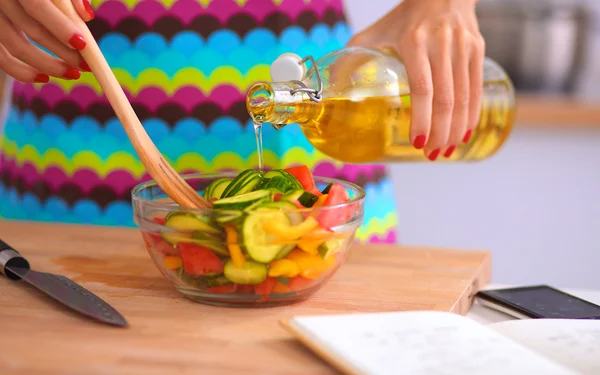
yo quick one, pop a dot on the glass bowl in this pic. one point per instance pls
(274, 257)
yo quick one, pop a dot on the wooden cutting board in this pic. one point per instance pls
(169, 334)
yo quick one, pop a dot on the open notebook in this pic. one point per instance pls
(436, 343)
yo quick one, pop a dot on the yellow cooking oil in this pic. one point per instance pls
(357, 124)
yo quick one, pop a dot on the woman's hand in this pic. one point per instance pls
(42, 22)
(442, 49)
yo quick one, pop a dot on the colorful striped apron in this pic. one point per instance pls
(185, 66)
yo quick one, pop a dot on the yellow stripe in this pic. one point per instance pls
(377, 226)
(184, 77)
(125, 161)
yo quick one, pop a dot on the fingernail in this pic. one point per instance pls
(42, 78)
(88, 9)
(84, 65)
(72, 73)
(434, 154)
(467, 136)
(449, 151)
(77, 42)
(419, 141)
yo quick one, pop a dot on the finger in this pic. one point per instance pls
(19, 47)
(418, 71)
(37, 33)
(443, 92)
(19, 70)
(49, 16)
(460, 77)
(84, 9)
(476, 87)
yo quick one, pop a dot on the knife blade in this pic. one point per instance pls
(15, 267)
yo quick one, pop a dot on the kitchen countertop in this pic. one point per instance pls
(541, 111)
(168, 333)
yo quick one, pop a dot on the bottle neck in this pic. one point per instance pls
(276, 104)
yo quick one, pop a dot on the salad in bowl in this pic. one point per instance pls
(270, 238)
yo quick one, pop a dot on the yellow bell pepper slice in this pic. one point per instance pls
(290, 232)
(320, 201)
(237, 257)
(283, 267)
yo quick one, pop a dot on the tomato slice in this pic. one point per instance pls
(303, 175)
(198, 260)
(225, 289)
(335, 216)
(265, 289)
(159, 220)
(299, 283)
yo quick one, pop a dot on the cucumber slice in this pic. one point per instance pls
(256, 241)
(217, 246)
(239, 202)
(250, 273)
(205, 281)
(288, 207)
(285, 174)
(243, 183)
(216, 188)
(186, 222)
(217, 281)
(330, 247)
(326, 190)
(303, 197)
(230, 217)
(278, 183)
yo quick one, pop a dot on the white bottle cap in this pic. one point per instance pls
(287, 67)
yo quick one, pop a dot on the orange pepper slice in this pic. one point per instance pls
(172, 262)
(237, 257)
(311, 247)
(283, 267)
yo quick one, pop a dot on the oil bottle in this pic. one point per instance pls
(353, 105)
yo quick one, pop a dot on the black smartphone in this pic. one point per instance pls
(538, 301)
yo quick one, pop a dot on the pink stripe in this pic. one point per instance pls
(113, 12)
(390, 238)
(347, 172)
(119, 181)
(151, 97)
(150, 11)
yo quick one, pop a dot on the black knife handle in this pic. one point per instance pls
(10, 257)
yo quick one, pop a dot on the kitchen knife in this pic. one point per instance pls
(16, 267)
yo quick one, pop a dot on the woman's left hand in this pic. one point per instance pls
(443, 51)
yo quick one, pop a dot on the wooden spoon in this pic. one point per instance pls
(160, 170)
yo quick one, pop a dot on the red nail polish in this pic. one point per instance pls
(77, 42)
(72, 73)
(434, 154)
(467, 136)
(420, 141)
(84, 65)
(88, 9)
(449, 151)
(42, 78)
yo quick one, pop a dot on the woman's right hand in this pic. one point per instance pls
(42, 22)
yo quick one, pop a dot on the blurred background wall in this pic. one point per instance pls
(536, 204)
